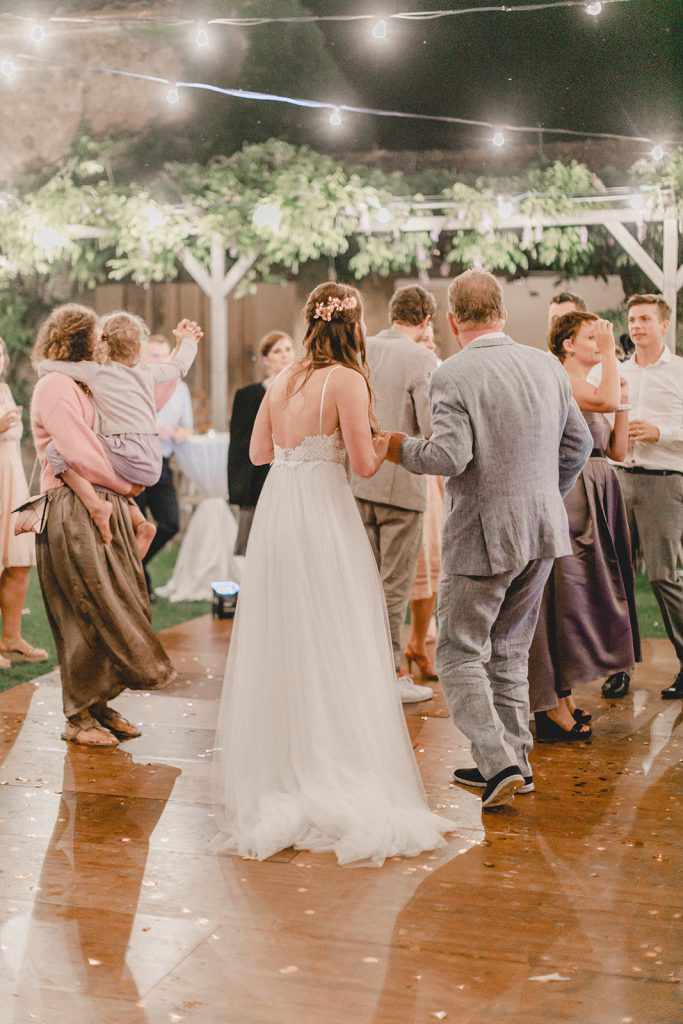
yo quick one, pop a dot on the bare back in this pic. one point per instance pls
(333, 398)
(294, 417)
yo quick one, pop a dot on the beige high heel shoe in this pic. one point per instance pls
(423, 663)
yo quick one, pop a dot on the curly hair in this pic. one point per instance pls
(338, 340)
(70, 334)
(564, 328)
(124, 335)
(411, 305)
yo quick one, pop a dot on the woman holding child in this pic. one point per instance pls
(94, 592)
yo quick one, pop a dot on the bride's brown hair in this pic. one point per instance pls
(334, 334)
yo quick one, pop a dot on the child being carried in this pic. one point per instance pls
(127, 395)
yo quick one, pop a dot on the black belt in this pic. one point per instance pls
(651, 472)
(598, 453)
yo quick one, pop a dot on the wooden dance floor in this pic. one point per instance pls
(565, 908)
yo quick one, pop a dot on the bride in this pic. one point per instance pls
(312, 746)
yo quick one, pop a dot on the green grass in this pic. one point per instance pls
(37, 631)
(165, 614)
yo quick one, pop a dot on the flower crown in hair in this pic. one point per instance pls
(327, 310)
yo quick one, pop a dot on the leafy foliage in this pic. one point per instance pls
(286, 206)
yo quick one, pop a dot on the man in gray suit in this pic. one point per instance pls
(511, 441)
(392, 502)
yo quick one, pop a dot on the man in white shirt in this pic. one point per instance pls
(175, 422)
(652, 473)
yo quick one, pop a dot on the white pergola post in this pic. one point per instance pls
(671, 269)
(217, 285)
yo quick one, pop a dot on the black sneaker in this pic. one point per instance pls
(675, 691)
(473, 777)
(617, 685)
(502, 788)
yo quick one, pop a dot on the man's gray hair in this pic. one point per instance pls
(476, 297)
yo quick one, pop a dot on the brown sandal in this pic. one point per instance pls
(89, 733)
(116, 723)
(24, 652)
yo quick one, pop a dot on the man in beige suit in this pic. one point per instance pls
(392, 502)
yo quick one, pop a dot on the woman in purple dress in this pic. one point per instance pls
(588, 626)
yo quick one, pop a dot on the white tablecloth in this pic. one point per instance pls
(206, 551)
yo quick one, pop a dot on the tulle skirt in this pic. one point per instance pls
(312, 747)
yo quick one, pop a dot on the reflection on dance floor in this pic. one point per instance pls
(563, 908)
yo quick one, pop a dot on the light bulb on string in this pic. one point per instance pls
(657, 153)
(498, 139)
(267, 217)
(594, 9)
(637, 201)
(336, 118)
(505, 207)
(38, 34)
(7, 68)
(382, 215)
(201, 37)
(380, 30)
(173, 95)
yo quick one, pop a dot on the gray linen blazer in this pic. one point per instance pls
(511, 441)
(400, 372)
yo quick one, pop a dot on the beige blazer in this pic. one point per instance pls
(400, 374)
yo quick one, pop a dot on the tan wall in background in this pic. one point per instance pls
(280, 307)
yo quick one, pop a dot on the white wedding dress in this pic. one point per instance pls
(312, 749)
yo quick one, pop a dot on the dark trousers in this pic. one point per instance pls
(162, 501)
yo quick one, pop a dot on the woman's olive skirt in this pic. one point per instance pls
(97, 604)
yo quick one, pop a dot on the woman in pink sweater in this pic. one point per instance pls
(95, 595)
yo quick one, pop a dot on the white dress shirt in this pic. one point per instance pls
(177, 412)
(656, 396)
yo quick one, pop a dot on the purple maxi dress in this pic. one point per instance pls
(588, 626)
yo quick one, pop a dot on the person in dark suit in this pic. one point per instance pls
(245, 480)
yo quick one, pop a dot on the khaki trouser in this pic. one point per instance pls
(395, 535)
(655, 509)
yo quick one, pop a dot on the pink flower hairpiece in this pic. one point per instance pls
(327, 310)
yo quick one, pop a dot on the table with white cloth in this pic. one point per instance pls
(206, 550)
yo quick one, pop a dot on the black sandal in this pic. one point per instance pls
(581, 716)
(548, 731)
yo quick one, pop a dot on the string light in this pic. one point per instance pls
(267, 217)
(335, 117)
(38, 34)
(637, 201)
(7, 68)
(534, 6)
(380, 29)
(382, 215)
(505, 207)
(202, 37)
(594, 9)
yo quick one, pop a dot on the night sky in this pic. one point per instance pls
(620, 72)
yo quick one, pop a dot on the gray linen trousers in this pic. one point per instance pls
(510, 440)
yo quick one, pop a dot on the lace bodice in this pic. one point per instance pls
(318, 448)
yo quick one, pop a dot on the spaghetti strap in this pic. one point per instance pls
(322, 396)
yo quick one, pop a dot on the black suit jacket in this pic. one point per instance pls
(244, 479)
